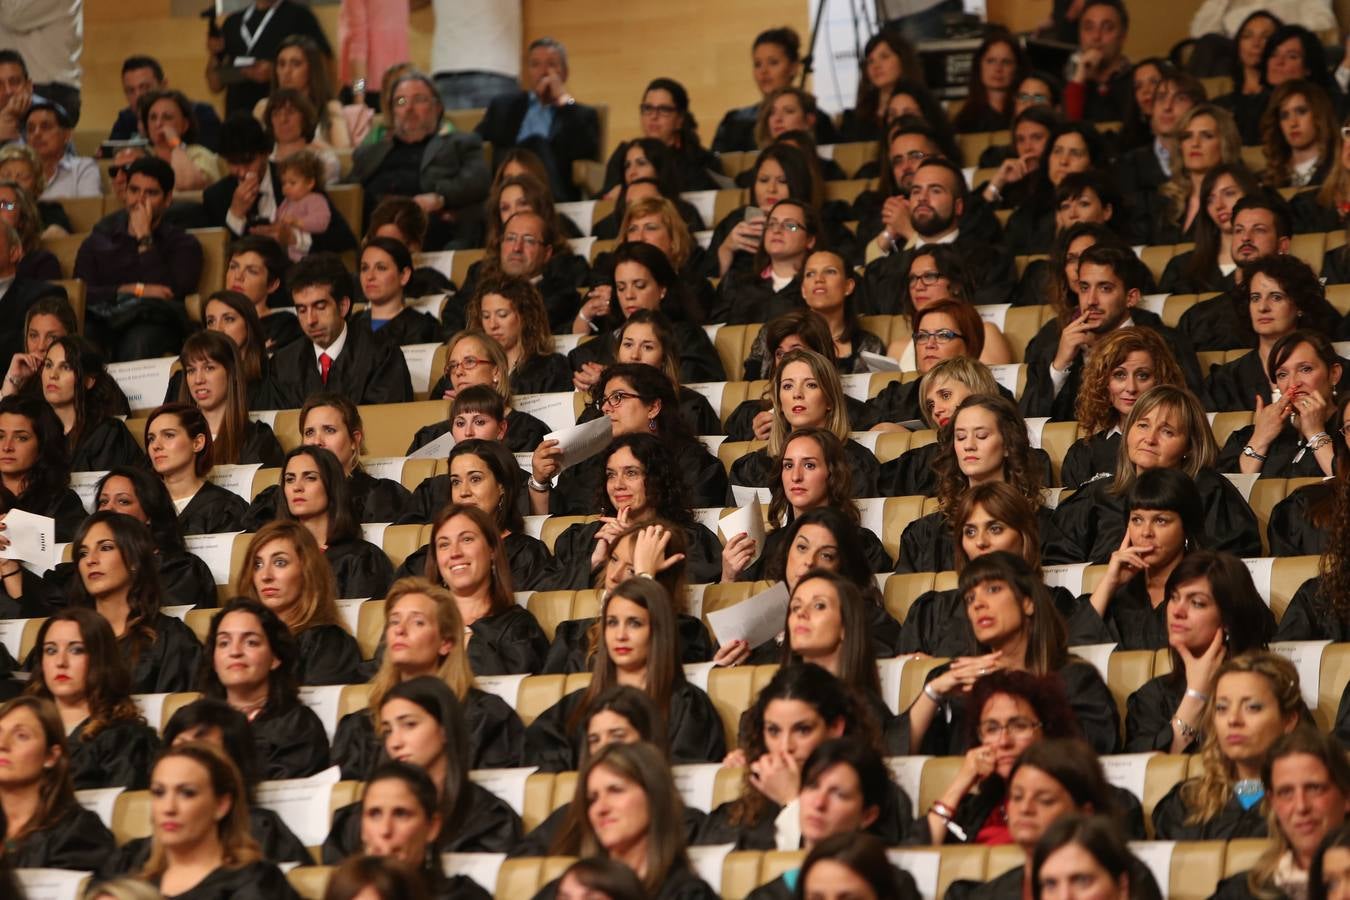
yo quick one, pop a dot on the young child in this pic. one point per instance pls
(304, 209)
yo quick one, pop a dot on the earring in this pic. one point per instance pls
(651, 424)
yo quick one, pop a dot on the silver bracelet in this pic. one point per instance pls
(1248, 451)
(1196, 695)
(1188, 731)
(537, 487)
(931, 693)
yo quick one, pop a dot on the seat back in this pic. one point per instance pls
(731, 691)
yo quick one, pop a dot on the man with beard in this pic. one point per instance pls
(1111, 283)
(933, 213)
(444, 173)
(1262, 225)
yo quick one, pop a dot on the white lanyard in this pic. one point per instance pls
(251, 37)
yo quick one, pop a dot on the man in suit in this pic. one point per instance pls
(444, 173)
(246, 200)
(545, 118)
(333, 357)
(17, 294)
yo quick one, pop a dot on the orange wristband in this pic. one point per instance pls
(140, 289)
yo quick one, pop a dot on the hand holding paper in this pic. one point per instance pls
(755, 620)
(30, 539)
(580, 442)
(748, 519)
(437, 449)
(876, 362)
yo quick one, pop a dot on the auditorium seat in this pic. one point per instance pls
(199, 620)
(730, 451)
(740, 873)
(1127, 672)
(519, 877)
(902, 589)
(1225, 423)
(1242, 853)
(1287, 575)
(310, 882)
(1022, 323)
(536, 694)
(556, 525)
(131, 816)
(899, 513)
(550, 608)
(1165, 771)
(848, 190)
(1197, 867)
(733, 343)
(401, 541)
(1056, 439)
(370, 627)
(1335, 673)
(730, 690)
(538, 799)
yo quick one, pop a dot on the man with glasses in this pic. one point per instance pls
(545, 118)
(444, 173)
(332, 357)
(935, 211)
(1111, 282)
(1148, 167)
(523, 248)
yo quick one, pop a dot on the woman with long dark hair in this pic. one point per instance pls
(81, 670)
(1073, 147)
(1210, 266)
(1247, 100)
(234, 315)
(887, 57)
(665, 116)
(998, 65)
(35, 466)
(770, 285)
(178, 441)
(252, 664)
(781, 171)
(84, 397)
(213, 381)
(385, 268)
(1298, 134)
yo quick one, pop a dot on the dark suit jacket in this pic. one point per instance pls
(216, 203)
(22, 293)
(452, 166)
(368, 371)
(575, 135)
(128, 125)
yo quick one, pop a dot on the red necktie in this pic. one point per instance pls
(325, 363)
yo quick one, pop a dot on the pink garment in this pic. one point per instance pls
(310, 214)
(375, 31)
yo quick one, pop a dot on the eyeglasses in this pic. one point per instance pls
(114, 171)
(609, 401)
(914, 156)
(528, 240)
(1345, 429)
(1033, 98)
(928, 278)
(418, 100)
(1017, 727)
(468, 364)
(787, 225)
(651, 109)
(8, 206)
(1345, 132)
(942, 336)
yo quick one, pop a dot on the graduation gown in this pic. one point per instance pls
(212, 510)
(745, 298)
(542, 375)
(507, 643)
(76, 840)
(695, 409)
(1234, 386)
(1336, 270)
(279, 845)
(1177, 278)
(693, 730)
(1148, 716)
(927, 543)
(329, 655)
(539, 841)
(105, 445)
(912, 474)
(1089, 697)
(281, 329)
(755, 469)
(568, 652)
(185, 579)
(572, 549)
(993, 268)
(256, 879)
(937, 624)
(1292, 531)
(120, 755)
(488, 825)
(704, 478)
(360, 568)
(680, 883)
(1309, 617)
(1287, 456)
(699, 360)
(169, 663)
(496, 737)
(261, 446)
(1219, 323)
(1092, 521)
(410, 326)
(63, 505)
(523, 431)
(367, 371)
(1169, 820)
(1089, 457)
(895, 825)
(291, 743)
(373, 500)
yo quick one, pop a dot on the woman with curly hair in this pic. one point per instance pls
(1016, 626)
(1206, 137)
(81, 671)
(252, 664)
(986, 440)
(1214, 613)
(1166, 429)
(511, 311)
(472, 357)
(1256, 699)
(1210, 266)
(808, 394)
(213, 381)
(85, 398)
(641, 480)
(1123, 365)
(938, 272)
(887, 58)
(999, 63)
(1298, 133)
(1289, 437)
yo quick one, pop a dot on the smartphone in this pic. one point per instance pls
(754, 214)
(243, 62)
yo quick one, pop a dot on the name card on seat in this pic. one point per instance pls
(101, 801)
(324, 700)
(1128, 771)
(1157, 855)
(695, 783)
(1307, 659)
(85, 484)
(215, 550)
(418, 358)
(236, 479)
(505, 686)
(52, 884)
(1068, 576)
(302, 803)
(144, 381)
(483, 868)
(507, 784)
(922, 865)
(1097, 654)
(708, 860)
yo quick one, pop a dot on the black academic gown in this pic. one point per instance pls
(291, 743)
(261, 446)
(278, 843)
(937, 623)
(1178, 279)
(778, 889)
(367, 371)
(105, 445)
(185, 579)
(488, 825)
(119, 755)
(746, 298)
(212, 510)
(410, 326)
(280, 329)
(579, 486)
(166, 665)
(680, 883)
(507, 643)
(1234, 386)
(1219, 323)
(247, 882)
(572, 549)
(1292, 530)
(570, 648)
(695, 409)
(927, 543)
(912, 473)
(329, 655)
(1310, 617)
(1089, 697)
(698, 357)
(1169, 820)
(1336, 270)
(693, 731)
(1089, 457)
(542, 375)
(1092, 521)
(373, 500)
(1148, 716)
(993, 268)
(360, 568)
(1286, 457)
(755, 469)
(496, 737)
(895, 825)
(78, 840)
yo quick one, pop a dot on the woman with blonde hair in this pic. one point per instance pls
(472, 357)
(1256, 700)
(1298, 134)
(808, 394)
(1166, 429)
(202, 846)
(423, 635)
(1206, 136)
(284, 569)
(1123, 365)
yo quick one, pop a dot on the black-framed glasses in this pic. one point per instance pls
(655, 109)
(927, 278)
(942, 336)
(614, 398)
